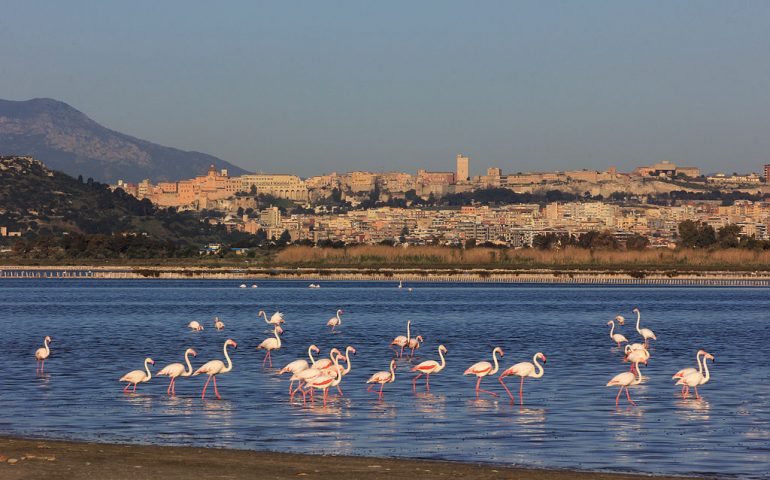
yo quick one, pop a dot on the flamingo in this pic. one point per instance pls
(694, 379)
(646, 333)
(41, 354)
(523, 369)
(299, 365)
(323, 382)
(177, 370)
(135, 377)
(195, 326)
(218, 324)
(616, 337)
(275, 319)
(346, 358)
(402, 341)
(482, 369)
(325, 363)
(336, 321)
(414, 343)
(213, 368)
(624, 380)
(640, 355)
(270, 344)
(427, 367)
(382, 378)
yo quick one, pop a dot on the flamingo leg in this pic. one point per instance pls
(369, 388)
(427, 382)
(482, 390)
(125, 389)
(521, 392)
(381, 387)
(402, 352)
(134, 391)
(42, 366)
(203, 394)
(617, 399)
(513, 400)
(697, 396)
(414, 382)
(629, 397)
(339, 390)
(326, 393)
(216, 392)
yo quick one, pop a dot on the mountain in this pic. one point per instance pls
(38, 201)
(67, 140)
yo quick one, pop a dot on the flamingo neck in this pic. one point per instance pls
(347, 356)
(338, 316)
(638, 379)
(310, 354)
(229, 362)
(338, 369)
(147, 369)
(612, 328)
(275, 332)
(189, 370)
(700, 365)
(638, 319)
(45, 344)
(539, 371)
(706, 368)
(441, 356)
(392, 372)
(408, 333)
(265, 315)
(494, 358)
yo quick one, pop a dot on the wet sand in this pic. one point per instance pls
(28, 459)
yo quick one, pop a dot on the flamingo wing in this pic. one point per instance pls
(210, 368)
(522, 369)
(684, 372)
(426, 366)
(379, 377)
(174, 369)
(480, 368)
(624, 379)
(133, 376)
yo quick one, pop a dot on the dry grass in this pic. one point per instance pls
(385, 256)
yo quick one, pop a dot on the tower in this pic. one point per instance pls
(463, 168)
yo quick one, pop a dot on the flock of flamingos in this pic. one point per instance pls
(324, 374)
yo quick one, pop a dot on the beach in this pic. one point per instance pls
(55, 459)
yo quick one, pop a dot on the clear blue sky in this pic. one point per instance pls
(319, 86)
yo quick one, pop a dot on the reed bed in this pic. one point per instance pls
(387, 256)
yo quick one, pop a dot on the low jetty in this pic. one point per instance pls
(586, 277)
(22, 459)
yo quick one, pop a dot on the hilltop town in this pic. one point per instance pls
(454, 208)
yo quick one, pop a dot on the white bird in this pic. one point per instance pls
(646, 333)
(694, 379)
(195, 326)
(215, 367)
(523, 369)
(624, 380)
(270, 344)
(218, 324)
(616, 337)
(135, 377)
(299, 365)
(175, 370)
(335, 321)
(275, 319)
(42, 353)
(243, 285)
(402, 341)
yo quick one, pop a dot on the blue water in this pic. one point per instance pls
(102, 329)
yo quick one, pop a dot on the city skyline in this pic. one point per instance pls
(344, 86)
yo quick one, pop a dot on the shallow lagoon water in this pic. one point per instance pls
(104, 328)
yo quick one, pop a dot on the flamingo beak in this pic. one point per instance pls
(545, 360)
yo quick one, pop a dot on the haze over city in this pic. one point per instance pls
(313, 88)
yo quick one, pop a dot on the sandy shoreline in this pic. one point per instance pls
(55, 459)
(251, 275)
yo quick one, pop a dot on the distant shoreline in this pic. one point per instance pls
(85, 460)
(471, 275)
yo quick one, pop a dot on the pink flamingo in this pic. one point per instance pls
(646, 333)
(41, 354)
(335, 321)
(271, 344)
(299, 365)
(402, 341)
(195, 326)
(275, 319)
(215, 367)
(624, 380)
(616, 337)
(482, 369)
(428, 367)
(333, 371)
(640, 355)
(414, 343)
(323, 382)
(693, 379)
(218, 324)
(135, 377)
(382, 378)
(177, 370)
(523, 370)
(325, 363)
